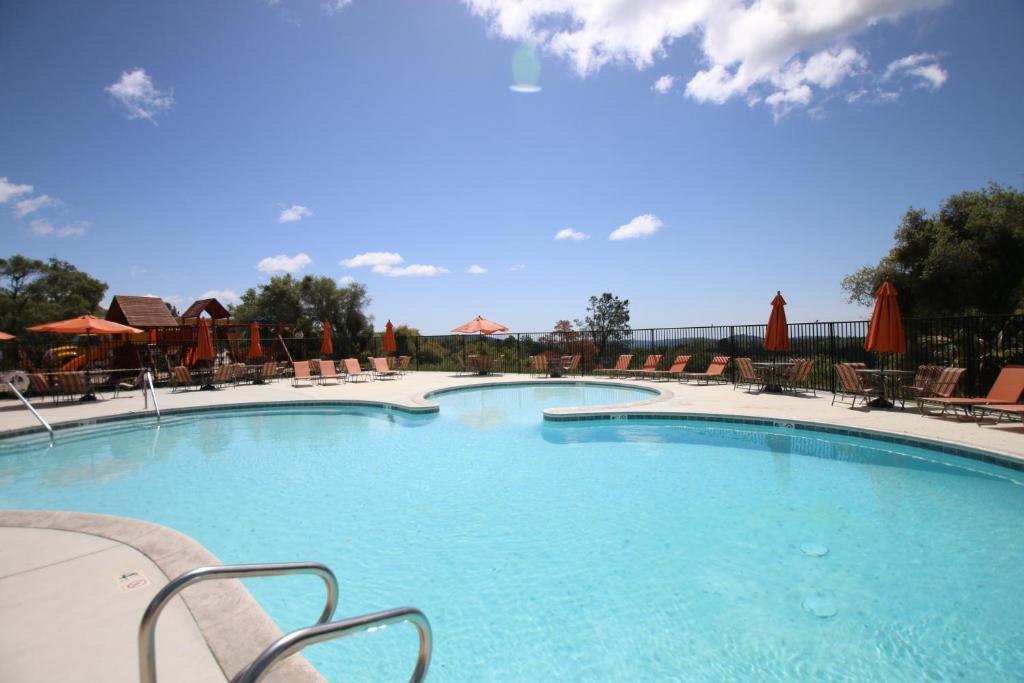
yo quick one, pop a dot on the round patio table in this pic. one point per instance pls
(772, 384)
(884, 377)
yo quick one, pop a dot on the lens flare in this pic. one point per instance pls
(525, 70)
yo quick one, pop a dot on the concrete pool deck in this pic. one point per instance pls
(66, 613)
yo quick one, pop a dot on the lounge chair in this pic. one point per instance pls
(300, 368)
(649, 366)
(799, 377)
(1000, 412)
(403, 364)
(41, 386)
(677, 368)
(329, 373)
(130, 384)
(268, 373)
(1008, 387)
(72, 385)
(353, 372)
(621, 365)
(851, 384)
(748, 374)
(183, 380)
(380, 369)
(714, 373)
(538, 365)
(572, 367)
(224, 375)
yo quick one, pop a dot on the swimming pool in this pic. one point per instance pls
(583, 551)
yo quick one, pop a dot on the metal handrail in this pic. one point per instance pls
(152, 392)
(28, 405)
(295, 641)
(147, 627)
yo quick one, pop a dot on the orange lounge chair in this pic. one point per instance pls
(621, 365)
(381, 370)
(715, 371)
(650, 365)
(301, 372)
(1008, 387)
(352, 370)
(677, 368)
(1000, 411)
(328, 372)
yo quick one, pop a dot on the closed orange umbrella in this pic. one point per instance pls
(152, 335)
(776, 337)
(885, 333)
(327, 346)
(390, 343)
(6, 337)
(85, 324)
(482, 325)
(204, 341)
(255, 349)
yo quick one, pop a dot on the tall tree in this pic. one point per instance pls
(607, 320)
(34, 292)
(964, 259)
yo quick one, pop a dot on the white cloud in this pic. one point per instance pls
(924, 66)
(9, 190)
(476, 270)
(751, 49)
(411, 270)
(373, 258)
(283, 263)
(44, 228)
(516, 268)
(225, 296)
(136, 92)
(136, 271)
(294, 213)
(663, 84)
(570, 234)
(33, 204)
(345, 280)
(335, 6)
(641, 226)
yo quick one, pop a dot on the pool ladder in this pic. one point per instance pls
(42, 421)
(291, 643)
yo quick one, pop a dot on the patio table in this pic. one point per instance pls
(772, 384)
(884, 377)
(482, 364)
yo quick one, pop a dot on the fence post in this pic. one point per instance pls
(831, 357)
(732, 353)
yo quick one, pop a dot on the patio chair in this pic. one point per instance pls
(41, 386)
(403, 364)
(749, 375)
(182, 379)
(677, 368)
(621, 365)
(799, 377)
(649, 366)
(353, 372)
(538, 365)
(224, 375)
(329, 373)
(314, 366)
(572, 367)
(714, 373)
(300, 370)
(268, 373)
(851, 384)
(72, 385)
(380, 369)
(130, 384)
(1008, 387)
(460, 366)
(921, 385)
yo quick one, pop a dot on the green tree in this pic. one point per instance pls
(34, 292)
(607, 320)
(965, 259)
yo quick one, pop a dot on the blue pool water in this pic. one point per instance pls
(610, 551)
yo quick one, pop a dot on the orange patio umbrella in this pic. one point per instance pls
(204, 341)
(255, 349)
(6, 337)
(85, 324)
(390, 343)
(152, 335)
(482, 325)
(776, 337)
(327, 346)
(885, 333)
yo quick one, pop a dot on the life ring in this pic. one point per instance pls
(16, 377)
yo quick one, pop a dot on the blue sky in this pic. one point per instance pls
(162, 146)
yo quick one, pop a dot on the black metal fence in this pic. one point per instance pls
(981, 344)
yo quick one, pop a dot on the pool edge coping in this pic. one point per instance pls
(220, 609)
